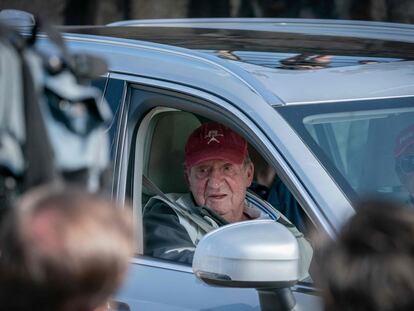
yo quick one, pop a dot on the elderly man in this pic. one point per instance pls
(219, 171)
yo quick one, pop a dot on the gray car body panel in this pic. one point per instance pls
(180, 290)
(373, 81)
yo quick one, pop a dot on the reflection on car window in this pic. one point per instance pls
(368, 148)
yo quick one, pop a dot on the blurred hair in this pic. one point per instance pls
(247, 161)
(370, 267)
(63, 250)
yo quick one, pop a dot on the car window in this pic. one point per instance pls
(364, 145)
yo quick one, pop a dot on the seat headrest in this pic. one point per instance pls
(168, 136)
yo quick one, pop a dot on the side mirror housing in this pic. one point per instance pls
(260, 254)
(255, 254)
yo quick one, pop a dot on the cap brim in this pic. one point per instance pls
(229, 155)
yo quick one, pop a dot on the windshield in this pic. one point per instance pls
(366, 146)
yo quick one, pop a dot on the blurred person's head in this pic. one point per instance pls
(63, 250)
(404, 158)
(370, 267)
(218, 169)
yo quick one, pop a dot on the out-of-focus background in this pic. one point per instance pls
(96, 12)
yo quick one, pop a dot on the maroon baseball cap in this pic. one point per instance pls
(214, 141)
(404, 140)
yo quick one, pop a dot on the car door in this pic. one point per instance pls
(154, 284)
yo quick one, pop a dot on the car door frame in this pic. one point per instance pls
(215, 108)
(286, 139)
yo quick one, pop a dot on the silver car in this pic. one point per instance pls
(325, 104)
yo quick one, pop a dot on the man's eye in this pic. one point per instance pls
(202, 172)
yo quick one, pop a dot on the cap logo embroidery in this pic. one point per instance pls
(212, 136)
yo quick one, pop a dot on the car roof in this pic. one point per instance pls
(279, 57)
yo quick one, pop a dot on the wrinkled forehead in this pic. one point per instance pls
(216, 163)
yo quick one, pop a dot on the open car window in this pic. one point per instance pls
(164, 136)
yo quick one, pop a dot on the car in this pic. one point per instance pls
(321, 102)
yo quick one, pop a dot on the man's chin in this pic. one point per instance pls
(218, 209)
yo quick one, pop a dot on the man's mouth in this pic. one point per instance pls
(216, 196)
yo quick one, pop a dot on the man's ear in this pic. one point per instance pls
(250, 173)
(186, 176)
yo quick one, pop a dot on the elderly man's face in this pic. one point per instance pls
(221, 186)
(407, 173)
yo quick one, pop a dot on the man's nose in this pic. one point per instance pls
(215, 178)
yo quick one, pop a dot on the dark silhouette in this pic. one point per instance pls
(370, 266)
(209, 8)
(61, 251)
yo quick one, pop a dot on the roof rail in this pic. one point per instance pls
(321, 27)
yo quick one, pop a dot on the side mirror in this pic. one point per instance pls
(260, 254)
